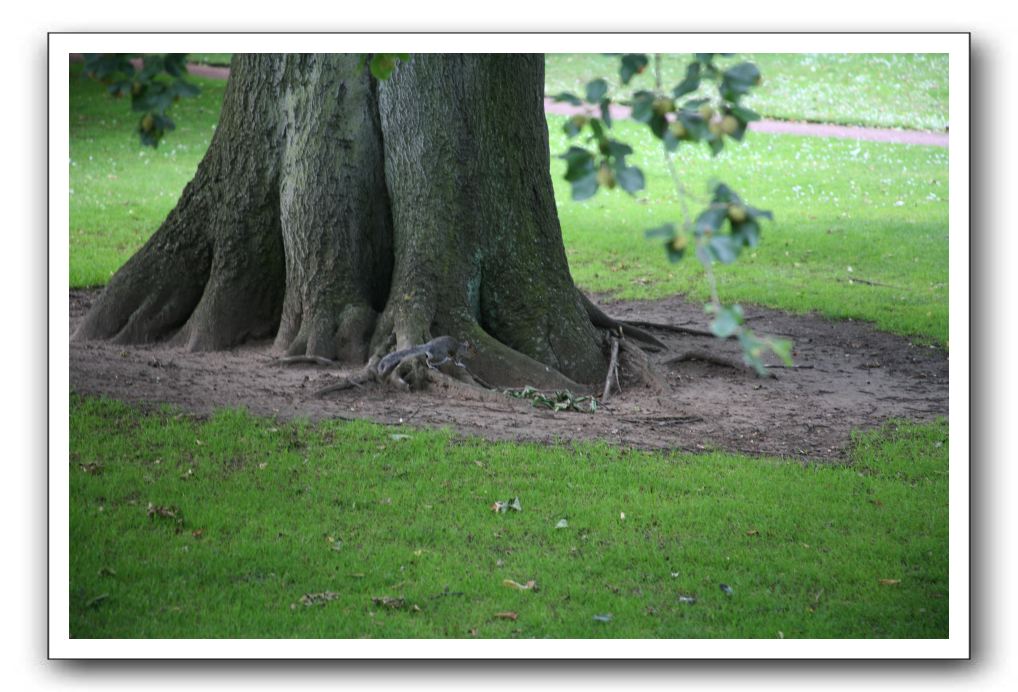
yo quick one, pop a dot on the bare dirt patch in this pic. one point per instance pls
(851, 377)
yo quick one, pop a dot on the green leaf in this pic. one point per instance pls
(183, 89)
(755, 213)
(120, 88)
(573, 126)
(725, 195)
(671, 142)
(382, 65)
(665, 231)
(175, 64)
(566, 97)
(619, 150)
(151, 65)
(643, 106)
(710, 220)
(727, 321)
(782, 348)
(724, 249)
(606, 114)
(691, 82)
(744, 114)
(579, 163)
(596, 89)
(696, 126)
(738, 80)
(745, 72)
(747, 232)
(632, 65)
(658, 125)
(584, 187)
(752, 351)
(629, 178)
(675, 253)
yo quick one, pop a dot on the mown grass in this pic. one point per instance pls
(860, 228)
(222, 59)
(121, 191)
(273, 511)
(903, 90)
(906, 90)
(880, 209)
(803, 547)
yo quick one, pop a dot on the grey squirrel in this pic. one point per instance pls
(439, 351)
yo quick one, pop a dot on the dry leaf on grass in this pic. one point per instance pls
(508, 615)
(317, 599)
(395, 603)
(162, 511)
(92, 603)
(503, 506)
(522, 587)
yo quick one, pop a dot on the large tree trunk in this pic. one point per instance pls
(348, 217)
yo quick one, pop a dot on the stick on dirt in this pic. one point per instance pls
(613, 367)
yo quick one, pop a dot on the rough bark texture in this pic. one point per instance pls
(479, 249)
(349, 217)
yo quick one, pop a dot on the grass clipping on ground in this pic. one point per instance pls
(237, 526)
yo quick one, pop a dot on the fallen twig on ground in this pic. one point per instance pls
(613, 370)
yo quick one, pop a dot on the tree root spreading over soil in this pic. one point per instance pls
(849, 377)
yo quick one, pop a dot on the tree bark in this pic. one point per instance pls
(346, 217)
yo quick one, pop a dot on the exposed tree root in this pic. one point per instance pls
(670, 328)
(312, 360)
(635, 361)
(603, 321)
(356, 380)
(710, 358)
(411, 368)
(468, 390)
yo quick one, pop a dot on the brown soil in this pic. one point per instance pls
(850, 377)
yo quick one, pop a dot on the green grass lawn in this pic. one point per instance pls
(268, 512)
(906, 90)
(211, 58)
(121, 191)
(880, 209)
(273, 511)
(844, 211)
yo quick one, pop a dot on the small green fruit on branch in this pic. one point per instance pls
(697, 120)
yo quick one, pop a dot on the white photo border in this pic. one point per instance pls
(956, 646)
